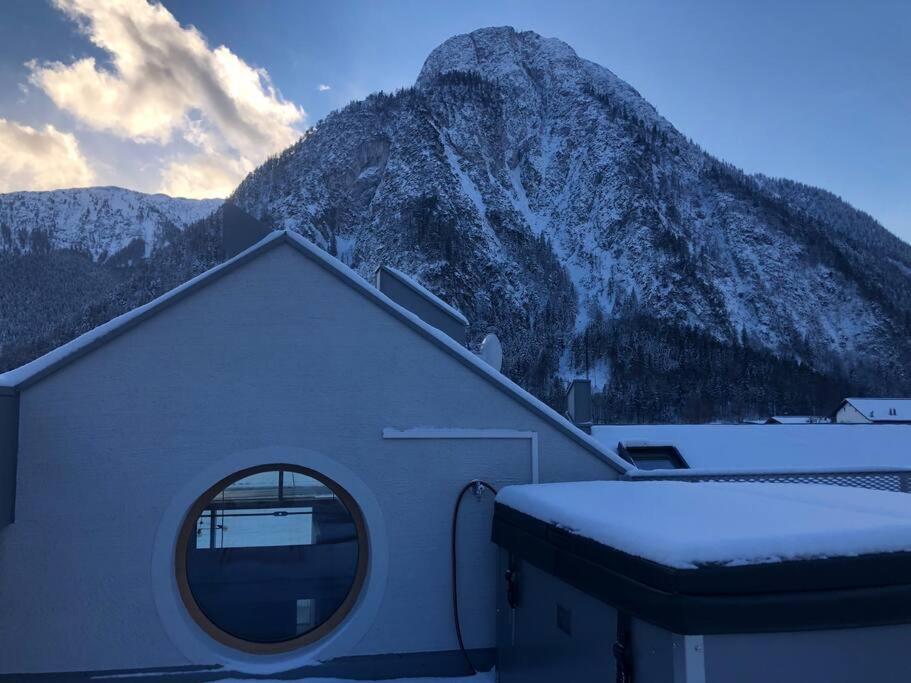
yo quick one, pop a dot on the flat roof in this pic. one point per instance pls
(677, 524)
(707, 558)
(752, 447)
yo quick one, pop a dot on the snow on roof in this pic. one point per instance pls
(773, 447)
(44, 365)
(677, 523)
(427, 294)
(796, 419)
(882, 409)
(480, 677)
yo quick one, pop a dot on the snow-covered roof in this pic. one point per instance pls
(677, 524)
(43, 365)
(29, 373)
(882, 409)
(796, 419)
(422, 291)
(772, 447)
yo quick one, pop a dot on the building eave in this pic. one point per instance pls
(27, 375)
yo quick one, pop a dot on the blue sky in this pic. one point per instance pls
(815, 91)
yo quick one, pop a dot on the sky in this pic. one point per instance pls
(187, 97)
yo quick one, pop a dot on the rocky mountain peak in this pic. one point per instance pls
(528, 184)
(524, 62)
(546, 199)
(496, 53)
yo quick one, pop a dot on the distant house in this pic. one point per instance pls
(796, 420)
(873, 411)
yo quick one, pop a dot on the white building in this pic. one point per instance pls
(257, 471)
(796, 420)
(873, 411)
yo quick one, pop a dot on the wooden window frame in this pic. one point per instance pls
(188, 531)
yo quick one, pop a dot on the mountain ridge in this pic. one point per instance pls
(101, 221)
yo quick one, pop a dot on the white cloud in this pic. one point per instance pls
(45, 159)
(164, 84)
(203, 176)
(322, 87)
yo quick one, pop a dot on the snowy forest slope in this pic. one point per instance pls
(552, 204)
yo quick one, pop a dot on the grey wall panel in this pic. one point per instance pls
(277, 354)
(559, 633)
(841, 656)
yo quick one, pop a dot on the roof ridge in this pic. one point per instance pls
(41, 367)
(45, 364)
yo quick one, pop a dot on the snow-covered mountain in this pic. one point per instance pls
(513, 156)
(100, 221)
(550, 202)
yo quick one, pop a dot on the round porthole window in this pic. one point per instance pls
(271, 558)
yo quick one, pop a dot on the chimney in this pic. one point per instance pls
(406, 292)
(579, 404)
(239, 230)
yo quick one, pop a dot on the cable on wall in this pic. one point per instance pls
(478, 486)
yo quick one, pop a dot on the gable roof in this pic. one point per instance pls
(30, 373)
(881, 409)
(795, 420)
(753, 448)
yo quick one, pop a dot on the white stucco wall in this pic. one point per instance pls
(848, 414)
(278, 358)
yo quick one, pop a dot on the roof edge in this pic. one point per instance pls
(466, 357)
(36, 370)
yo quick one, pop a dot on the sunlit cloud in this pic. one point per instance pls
(165, 84)
(322, 87)
(203, 175)
(46, 159)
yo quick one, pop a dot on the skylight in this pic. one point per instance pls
(652, 456)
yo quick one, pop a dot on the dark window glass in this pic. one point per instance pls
(652, 456)
(655, 463)
(272, 555)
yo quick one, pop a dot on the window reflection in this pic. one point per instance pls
(273, 556)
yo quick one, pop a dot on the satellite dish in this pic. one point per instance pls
(492, 351)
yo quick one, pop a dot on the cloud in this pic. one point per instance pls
(166, 84)
(45, 159)
(203, 176)
(322, 87)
